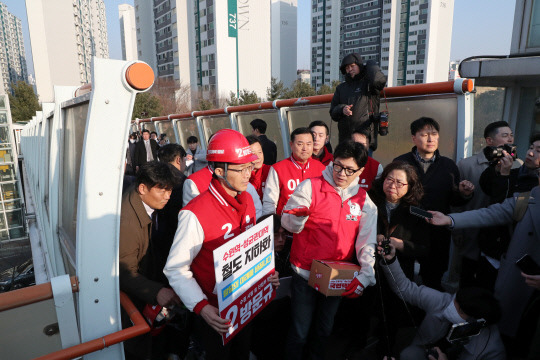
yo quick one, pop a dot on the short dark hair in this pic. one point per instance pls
(145, 130)
(169, 152)
(153, 132)
(421, 123)
(362, 130)
(155, 173)
(253, 139)
(479, 303)
(350, 149)
(415, 190)
(492, 129)
(534, 137)
(259, 124)
(192, 140)
(319, 123)
(300, 131)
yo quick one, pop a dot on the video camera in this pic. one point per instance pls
(381, 122)
(494, 153)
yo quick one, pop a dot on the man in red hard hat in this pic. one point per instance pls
(210, 220)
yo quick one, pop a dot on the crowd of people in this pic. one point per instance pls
(405, 224)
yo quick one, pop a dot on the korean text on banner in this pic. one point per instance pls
(232, 18)
(242, 267)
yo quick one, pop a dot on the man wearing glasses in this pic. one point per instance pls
(442, 188)
(332, 218)
(219, 214)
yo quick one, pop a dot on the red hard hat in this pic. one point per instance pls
(229, 146)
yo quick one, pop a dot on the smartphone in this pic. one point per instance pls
(528, 265)
(463, 331)
(420, 212)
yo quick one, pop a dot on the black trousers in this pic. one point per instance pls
(210, 340)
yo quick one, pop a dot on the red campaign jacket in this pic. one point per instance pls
(332, 228)
(326, 157)
(220, 223)
(258, 179)
(368, 175)
(202, 178)
(292, 173)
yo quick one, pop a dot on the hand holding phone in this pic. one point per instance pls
(528, 265)
(420, 212)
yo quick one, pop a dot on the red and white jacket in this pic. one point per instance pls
(326, 157)
(283, 177)
(372, 170)
(198, 182)
(258, 179)
(342, 224)
(204, 224)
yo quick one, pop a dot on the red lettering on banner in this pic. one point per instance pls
(250, 240)
(242, 310)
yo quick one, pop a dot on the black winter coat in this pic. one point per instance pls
(363, 93)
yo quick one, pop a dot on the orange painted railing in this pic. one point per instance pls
(37, 293)
(31, 295)
(140, 326)
(445, 87)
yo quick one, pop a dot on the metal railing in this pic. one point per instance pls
(448, 102)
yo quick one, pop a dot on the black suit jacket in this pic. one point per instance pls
(140, 152)
(269, 150)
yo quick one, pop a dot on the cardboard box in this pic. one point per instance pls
(332, 277)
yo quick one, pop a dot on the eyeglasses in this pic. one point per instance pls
(245, 171)
(398, 184)
(348, 171)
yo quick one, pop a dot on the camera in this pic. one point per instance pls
(381, 121)
(385, 244)
(494, 153)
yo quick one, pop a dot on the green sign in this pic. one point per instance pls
(232, 19)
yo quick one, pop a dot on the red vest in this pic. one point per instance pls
(220, 223)
(331, 230)
(258, 179)
(369, 174)
(202, 179)
(290, 174)
(326, 157)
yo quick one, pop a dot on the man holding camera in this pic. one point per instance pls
(504, 179)
(496, 134)
(357, 98)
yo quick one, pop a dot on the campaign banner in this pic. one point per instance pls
(242, 267)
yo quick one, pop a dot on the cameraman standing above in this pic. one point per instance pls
(356, 99)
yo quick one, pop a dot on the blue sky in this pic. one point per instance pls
(481, 27)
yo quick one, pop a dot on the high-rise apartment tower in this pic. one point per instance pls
(12, 56)
(64, 35)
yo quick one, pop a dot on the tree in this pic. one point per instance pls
(232, 100)
(299, 89)
(146, 105)
(325, 89)
(204, 104)
(246, 97)
(328, 89)
(276, 90)
(24, 102)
